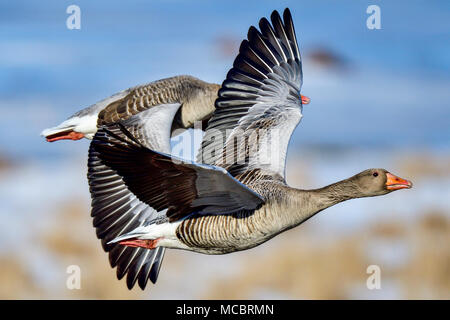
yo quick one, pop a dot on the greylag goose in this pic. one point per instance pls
(235, 196)
(195, 96)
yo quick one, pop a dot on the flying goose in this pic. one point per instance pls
(194, 95)
(235, 196)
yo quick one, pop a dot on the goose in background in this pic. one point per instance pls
(196, 98)
(144, 200)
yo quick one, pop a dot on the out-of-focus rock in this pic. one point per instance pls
(424, 165)
(6, 163)
(226, 46)
(326, 58)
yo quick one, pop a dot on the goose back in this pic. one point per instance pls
(194, 95)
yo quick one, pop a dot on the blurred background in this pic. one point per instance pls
(380, 98)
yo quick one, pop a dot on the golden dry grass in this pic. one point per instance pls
(16, 281)
(424, 165)
(304, 263)
(303, 269)
(82, 248)
(299, 264)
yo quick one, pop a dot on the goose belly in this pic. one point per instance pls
(220, 234)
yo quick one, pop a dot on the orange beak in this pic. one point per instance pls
(396, 183)
(305, 99)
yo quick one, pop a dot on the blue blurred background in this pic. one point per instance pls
(380, 98)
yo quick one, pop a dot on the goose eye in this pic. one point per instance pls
(375, 174)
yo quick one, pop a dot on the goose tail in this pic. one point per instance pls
(61, 133)
(74, 128)
(138, 233)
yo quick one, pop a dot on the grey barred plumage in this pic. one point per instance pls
(196, 98)
(284, 208)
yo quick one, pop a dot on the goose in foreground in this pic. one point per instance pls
(235, 196)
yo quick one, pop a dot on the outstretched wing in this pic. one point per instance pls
(165, 182)
(116, 210)
(259, 103)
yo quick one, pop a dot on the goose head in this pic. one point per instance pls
(377, 182)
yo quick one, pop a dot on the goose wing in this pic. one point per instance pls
(259, 104)
(165, 182)
(152, 127)
(117, 211)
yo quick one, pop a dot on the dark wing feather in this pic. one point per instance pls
(116, 211)
(261, 93)
(165, 182)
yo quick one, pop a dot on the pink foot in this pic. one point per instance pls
(71, 135)
(140, 243)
